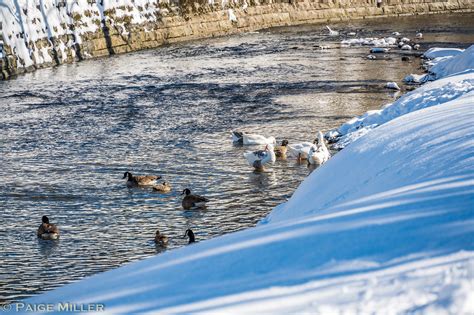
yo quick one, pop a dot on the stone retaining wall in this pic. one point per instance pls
(185, 20)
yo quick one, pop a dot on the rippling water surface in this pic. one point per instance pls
(69, 133)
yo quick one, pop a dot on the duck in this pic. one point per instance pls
(193, 201)
(161, 239)
(332, 32)
(300, 150)
(319, 153)
(419, 35)
(47, 231)
(258, 159)
(280, 151)
(190, 234)
(241, 137)
(163, 187)
(140, 180)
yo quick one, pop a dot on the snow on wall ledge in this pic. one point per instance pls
(48, 32)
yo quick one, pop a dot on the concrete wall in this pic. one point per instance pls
(117, 32)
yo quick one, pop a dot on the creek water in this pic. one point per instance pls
(69, 133)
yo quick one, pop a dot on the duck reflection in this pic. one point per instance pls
(263, 179)
(47, 248)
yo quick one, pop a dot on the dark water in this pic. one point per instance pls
(69, 133)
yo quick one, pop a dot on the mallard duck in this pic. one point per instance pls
(192, 201)
(280, 150)
(47, 231)
(319, 153)
(161, 239)
(244, 138)
(258, 159)
(164, 187)
(190, 234)
(140, 180)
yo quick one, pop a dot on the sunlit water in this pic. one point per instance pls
(69, 133)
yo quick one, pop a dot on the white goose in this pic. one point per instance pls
(251, 139)
(319, 154)
(258, 159)
(332, 32)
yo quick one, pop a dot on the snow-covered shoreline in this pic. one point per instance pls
(452, 73)
(386, 227)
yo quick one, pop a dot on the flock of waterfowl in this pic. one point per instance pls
(315, 153)
(49, 231)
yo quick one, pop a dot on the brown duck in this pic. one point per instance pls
(140, 180)
(280, 150)
(193, 201)
(161, 239)
(164, 187)
(47, 231)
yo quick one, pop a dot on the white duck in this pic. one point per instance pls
(319, 153)
(251, 139)
(258, 159)
(300, 150)
(332, 32)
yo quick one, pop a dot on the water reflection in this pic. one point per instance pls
(263, 179)
(48, 248)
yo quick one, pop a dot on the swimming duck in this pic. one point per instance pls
(258, 159)
(164, 187)
(193, 201)
(300, 150)
(190, 234)
(47, 231)
(241, 137)
(319, 153)
(280, 151)
(161, 239)
(332, 32)
(140, 180)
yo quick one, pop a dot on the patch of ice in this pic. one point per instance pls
(392, 86)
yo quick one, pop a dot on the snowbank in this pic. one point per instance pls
(436, 52)
(455, 64)
(443, 62)
(431, 94)
(386, 226)
(434, 93)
